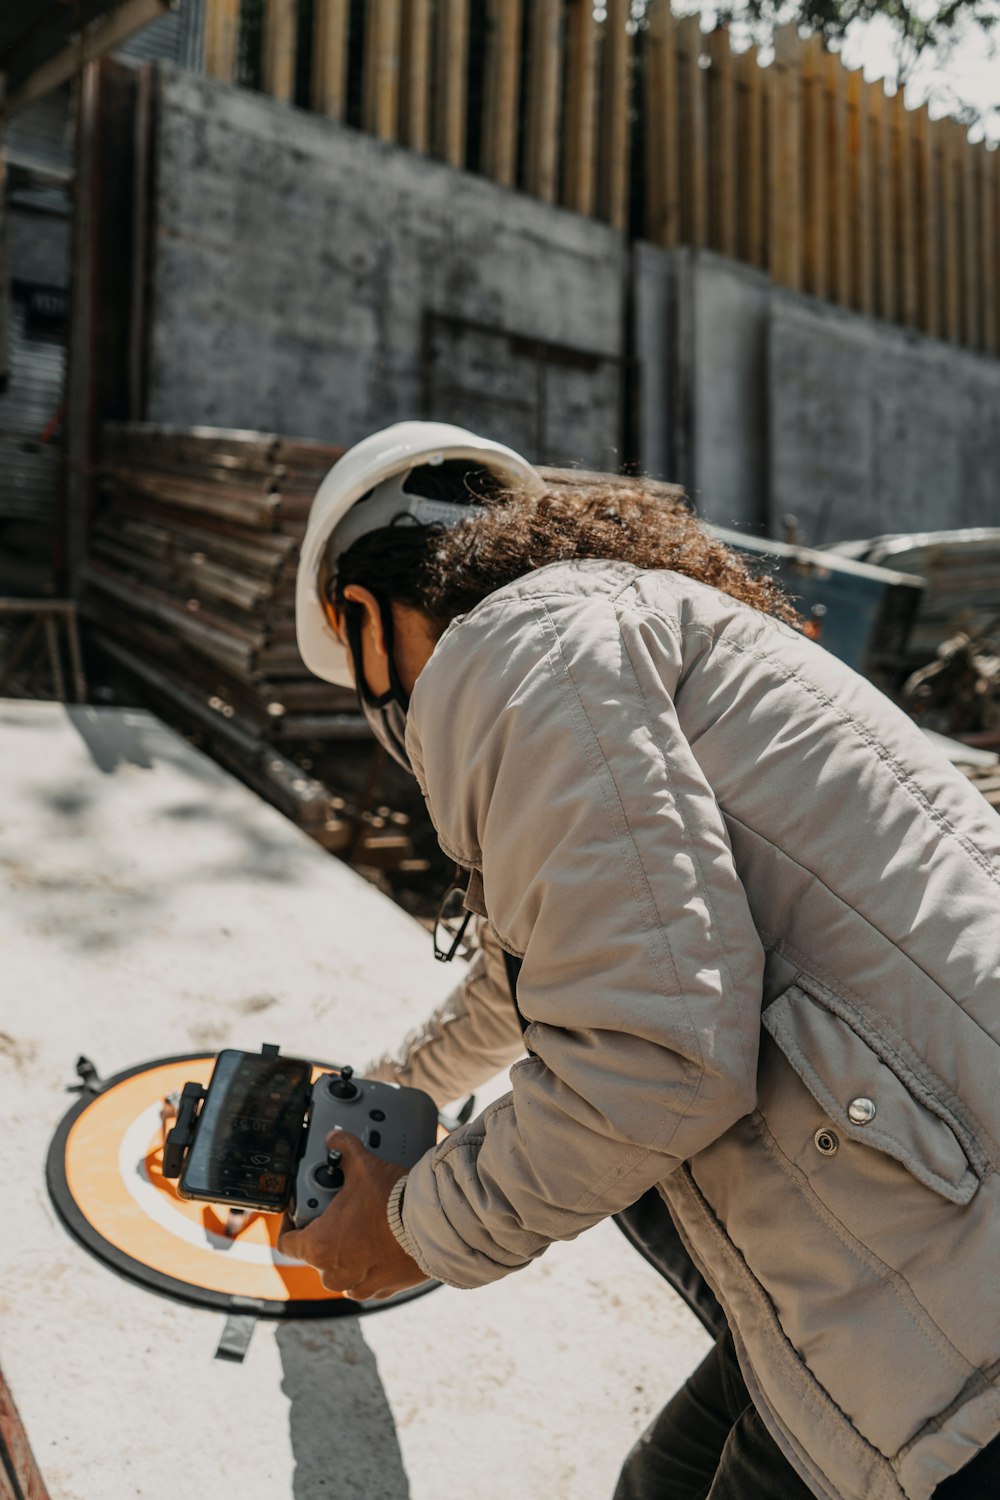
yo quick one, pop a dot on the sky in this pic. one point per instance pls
(969, 75)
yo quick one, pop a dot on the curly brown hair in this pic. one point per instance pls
(446, 571)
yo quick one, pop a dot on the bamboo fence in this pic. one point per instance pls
(801, 168)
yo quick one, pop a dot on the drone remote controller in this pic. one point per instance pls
(397, 1124)
(256, 1137)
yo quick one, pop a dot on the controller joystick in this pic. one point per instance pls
(342, 1086)
(330, 1176)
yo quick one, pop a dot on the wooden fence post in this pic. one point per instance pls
(329, 62)
(541, 162)
(452, 80)
(906, 212)
(615, 133)
(415, 74)
(816, 201)
(785, 238)
(501, 92)
(663, 165)
(840, 181)
(952, 142)
(862, 218)
(972, 312)
(580, 129)
(278, 59)
(693, 133)
(928, 217)
(221, 38)
(723, 144)
(750, 186)
(380, 98)
(989, 185)
(881, 147)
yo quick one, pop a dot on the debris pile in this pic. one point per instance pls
(959, 691)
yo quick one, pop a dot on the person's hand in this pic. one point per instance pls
(351, 1244)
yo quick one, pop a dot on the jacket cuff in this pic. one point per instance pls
(394, 1215)
(394, 1212)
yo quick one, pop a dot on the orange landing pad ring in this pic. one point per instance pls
(106, 1181)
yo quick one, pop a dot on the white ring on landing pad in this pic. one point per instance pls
(132, 1165)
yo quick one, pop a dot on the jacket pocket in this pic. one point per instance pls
(840, 1067)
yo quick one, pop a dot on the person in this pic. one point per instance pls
(739, 924)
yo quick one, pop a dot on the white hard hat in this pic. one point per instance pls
(380, 462)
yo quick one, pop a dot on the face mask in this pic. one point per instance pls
(385, 715)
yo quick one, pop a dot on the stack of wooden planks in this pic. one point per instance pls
(190, 588)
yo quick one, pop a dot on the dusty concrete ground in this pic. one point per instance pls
(152, 905)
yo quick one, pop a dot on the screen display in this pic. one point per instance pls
(249, 1132)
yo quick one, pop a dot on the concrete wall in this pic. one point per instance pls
(701, 327)
(873, 429)
(765, 403)
(309, 279)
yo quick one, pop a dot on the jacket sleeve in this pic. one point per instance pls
(607, 865)
(473, 1035)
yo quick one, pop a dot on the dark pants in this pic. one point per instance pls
(710, 1444)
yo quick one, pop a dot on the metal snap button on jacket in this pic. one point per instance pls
(861, 1111)
(826, 1141)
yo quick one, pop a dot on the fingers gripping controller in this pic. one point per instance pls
(397, 1124)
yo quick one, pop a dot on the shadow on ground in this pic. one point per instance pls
(343, 1435)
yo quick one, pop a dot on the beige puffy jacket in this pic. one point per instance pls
(752, 904)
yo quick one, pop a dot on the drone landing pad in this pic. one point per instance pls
(106, 1180)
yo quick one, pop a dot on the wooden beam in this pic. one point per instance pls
(329, 63)
(380, 101)
(452, 80)
(220, 38)
(278, 58)
(863, 279)
(724, 155)
(882, 133)
(840, 181)
(972, 291)
(752, 113)
(97, 40)
(615, 132)
(816, 204)
(415, 83)
(904, 172)
(989, 246)
(5, 299)
(501, 92)
(785, 209)
(580, 130)
(693, 133)
(929, 212)
(663, 162)
(541, 158)
(20, 1476)
(952, 144)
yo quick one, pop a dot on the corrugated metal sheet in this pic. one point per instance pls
(29, 468)
(175, 39)
(40, 135)
(39, 144)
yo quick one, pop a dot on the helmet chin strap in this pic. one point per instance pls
(395, 693)
(385, 713)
